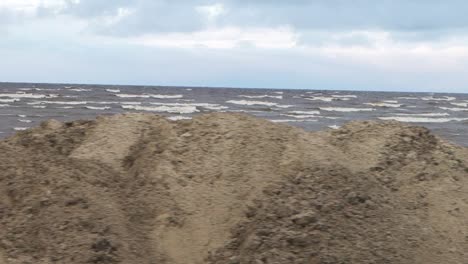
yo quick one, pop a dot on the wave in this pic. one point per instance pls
(383, 104)
(9, 100)
(278, 92)
(344, 96)
(25, 121)
(346, 109)
(456, 104)
(20, 128)
(304, 112)
(113, 90)
(425, 114)
(250, 103)
(408, 98)
(204, 105)
(58, 102)
(98, 107)
(4, 105)
(443, 98)
(66, 107)
(334, 127)
(157, 96)
(301, 116)
(262, 96)
(28, 95)
(175, 118)
(168, 109)
(80, 90)
(326, 98)
(292, 120)
(455, 109)
(422, 119)
(39, 106)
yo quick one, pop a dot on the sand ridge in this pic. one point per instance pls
(231, 188)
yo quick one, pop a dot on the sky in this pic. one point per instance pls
(385, 45)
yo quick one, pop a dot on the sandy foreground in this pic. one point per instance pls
(231, 189)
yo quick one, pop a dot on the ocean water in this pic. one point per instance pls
(26, 105)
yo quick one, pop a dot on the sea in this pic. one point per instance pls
(25, 105)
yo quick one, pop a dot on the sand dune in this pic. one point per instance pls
(231, 188)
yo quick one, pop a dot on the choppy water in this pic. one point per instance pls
(26, 105)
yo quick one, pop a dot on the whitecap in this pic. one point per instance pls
(245, 102)
(80, 90)
(97, 108)
(301, 116)
(175, 118)
(382, 104)
(408, 98)
(455, 109)
(346, 109)
(425, 114)
(157, 96)
(39, 106)
(29, 95)
(422, 119)
(58, 102)
(168, 109)
(443, 98)
(25, 121)
(334, 127)
(278, 92)
(262, 96)
(456, 104)
(20, 128)
(292, 120)
(324, 99)
(113, 90)
(9, 100)
(344, 96)
(4, 105)
(204, 105)
(304, 112)
(66, 107)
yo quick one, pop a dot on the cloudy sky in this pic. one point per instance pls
(401, 45)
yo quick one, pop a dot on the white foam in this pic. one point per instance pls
(20, 128)
(98, 108)
(204, 105)
(408, 98)
(325, 98)
(262, 96)
(443, 98)
(157, 96)
(9, 100)
(175, 118)
(25, 89)
(456, 104)
(168, 109)
(80, 90)
(58, 102)
(25, 121)
(383, 104)
(113, 90)
(390, 101)
(39, 106)
(455, 109)
(66, 107)
(422, 119)
(4, 105)
(301, 116)
(344, 96)
(22, 116)
(293, 120)
(245, 102)
(425, 114)
(304, 112)
(188, 89)
(334, 127)
(346, 109)
(278, 92)
(29, 95)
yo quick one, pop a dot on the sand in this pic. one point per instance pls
(231, 188)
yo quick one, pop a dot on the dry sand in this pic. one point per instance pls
(230, 188)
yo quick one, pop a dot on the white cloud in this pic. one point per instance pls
(224, 38)
(30, 7)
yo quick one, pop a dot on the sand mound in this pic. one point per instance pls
(229, 188)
